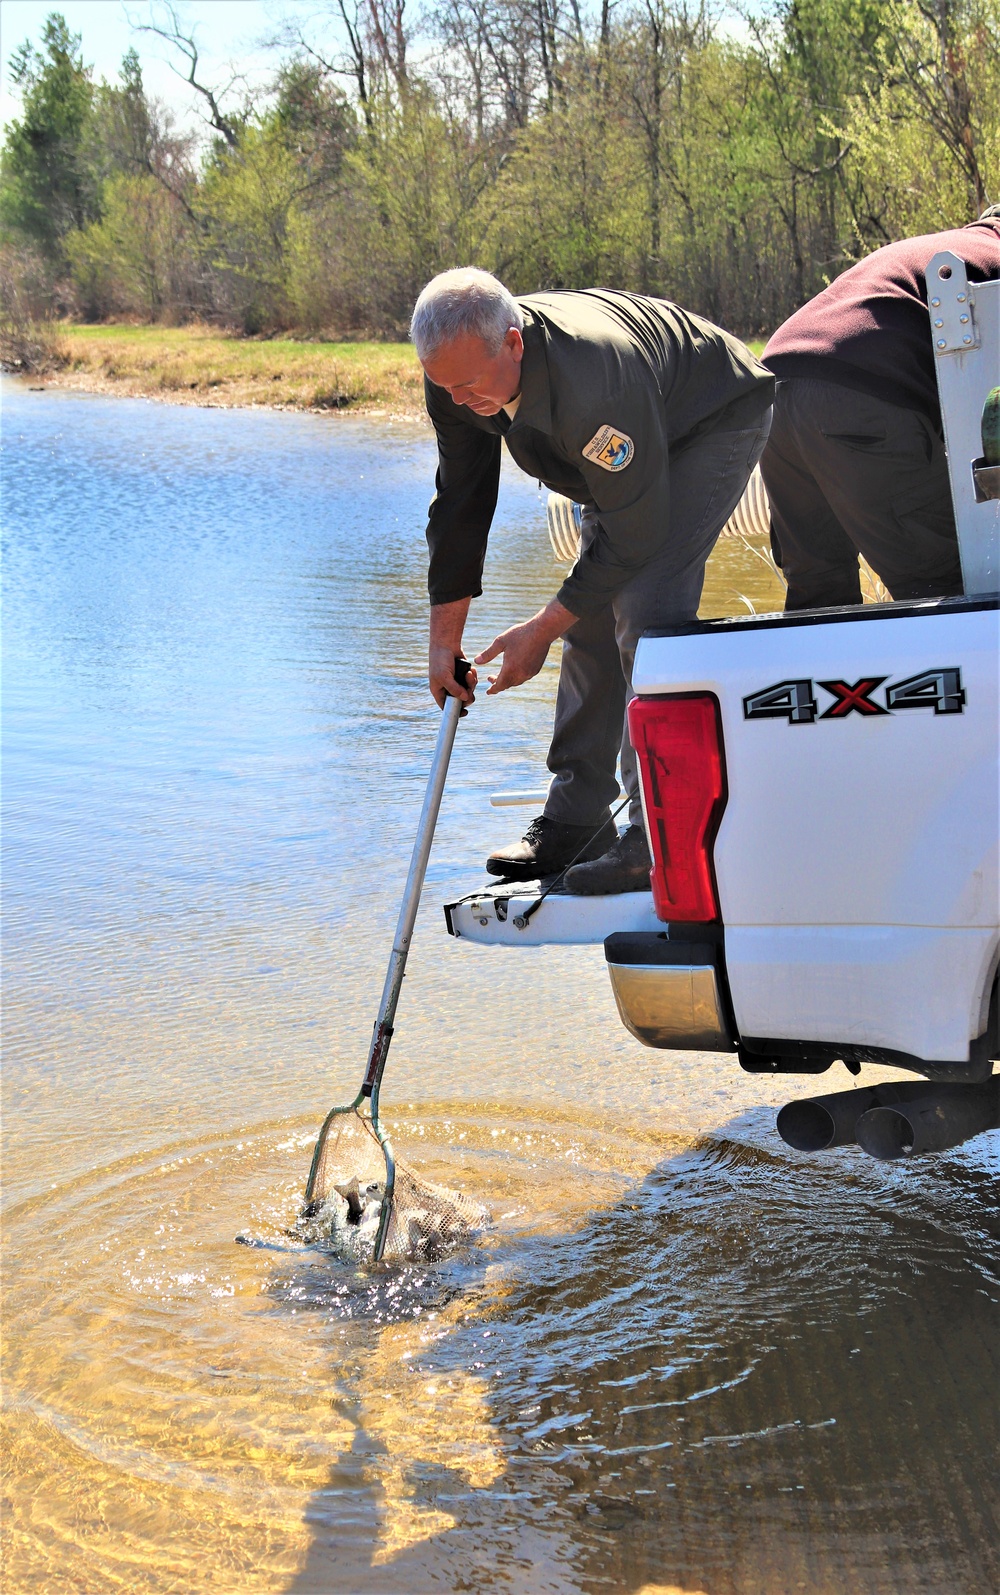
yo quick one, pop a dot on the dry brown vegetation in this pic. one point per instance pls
(29, 345)
(200, 365)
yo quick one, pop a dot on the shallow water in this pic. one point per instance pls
(682, 1357)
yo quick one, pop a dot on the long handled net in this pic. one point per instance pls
(353, 1165)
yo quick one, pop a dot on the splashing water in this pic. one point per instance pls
(426, 1220)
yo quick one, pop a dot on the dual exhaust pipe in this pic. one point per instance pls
(893, 1121)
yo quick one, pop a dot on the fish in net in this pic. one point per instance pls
(425, 1220)
(356, 1192)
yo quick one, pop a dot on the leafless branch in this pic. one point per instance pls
(174, 35)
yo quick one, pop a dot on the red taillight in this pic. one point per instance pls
(678, 746)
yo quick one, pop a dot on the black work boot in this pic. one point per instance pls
(623, 868)
(547, 847)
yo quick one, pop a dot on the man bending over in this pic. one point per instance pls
(649, 417)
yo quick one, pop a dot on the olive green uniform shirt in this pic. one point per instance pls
(611, 384)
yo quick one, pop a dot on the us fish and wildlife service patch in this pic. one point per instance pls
(609, 449)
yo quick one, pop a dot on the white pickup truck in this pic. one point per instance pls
(821, 798)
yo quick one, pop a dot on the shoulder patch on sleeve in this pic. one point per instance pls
(609, 449)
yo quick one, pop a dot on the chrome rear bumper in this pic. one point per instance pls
(668, 989)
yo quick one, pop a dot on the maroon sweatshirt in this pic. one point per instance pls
(870, 330)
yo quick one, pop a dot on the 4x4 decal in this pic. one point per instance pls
(795, 701)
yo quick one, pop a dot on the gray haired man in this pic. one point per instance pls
(649, 417)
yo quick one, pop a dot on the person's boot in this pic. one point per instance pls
(624, 867)
(547, 847)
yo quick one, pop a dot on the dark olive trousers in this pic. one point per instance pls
(848, 474)
(707, 479)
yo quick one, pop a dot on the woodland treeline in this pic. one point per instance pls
(732, 161)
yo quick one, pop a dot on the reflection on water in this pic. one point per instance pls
(682, 1358)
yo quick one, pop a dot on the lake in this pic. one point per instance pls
(684, 1358)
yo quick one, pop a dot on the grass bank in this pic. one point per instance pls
(200, 365)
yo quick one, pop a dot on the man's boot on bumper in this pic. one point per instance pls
(624, 867)
(547, 847)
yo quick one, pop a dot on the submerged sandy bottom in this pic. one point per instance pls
(682, 1357)
(675, 1360)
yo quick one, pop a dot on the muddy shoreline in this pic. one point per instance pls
(76, 382)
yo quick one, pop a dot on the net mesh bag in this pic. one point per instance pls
(425, 1219)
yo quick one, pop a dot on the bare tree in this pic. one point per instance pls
(662, 38)
(388, 33)
(353, 63)
(933, 43)
(496, 43)
(171, 29)
(375, 54)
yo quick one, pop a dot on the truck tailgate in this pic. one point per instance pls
(856, 859)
